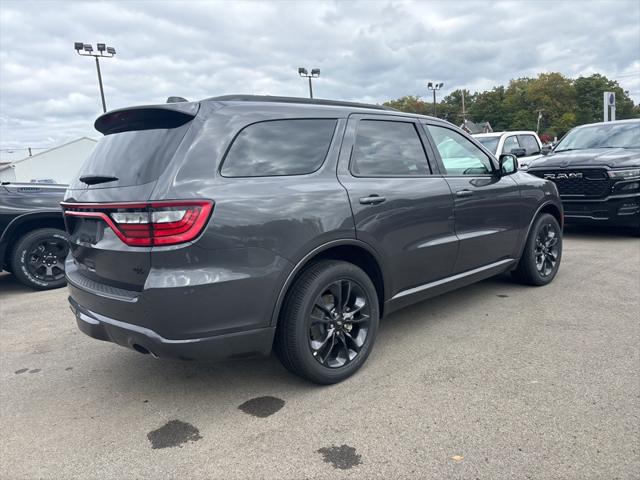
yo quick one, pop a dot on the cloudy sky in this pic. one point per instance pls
(367, 51)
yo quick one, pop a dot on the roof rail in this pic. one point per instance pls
(305, 101)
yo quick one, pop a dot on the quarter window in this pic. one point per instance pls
(459, 155)
(279, 147)
(384, 148)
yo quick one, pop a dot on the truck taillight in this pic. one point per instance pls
(148, 224)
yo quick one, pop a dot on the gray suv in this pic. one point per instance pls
(225, 227)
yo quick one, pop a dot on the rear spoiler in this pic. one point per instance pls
(149, 117)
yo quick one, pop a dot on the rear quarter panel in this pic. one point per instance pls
(260, 228)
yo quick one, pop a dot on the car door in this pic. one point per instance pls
(400, 208)
(487, 213)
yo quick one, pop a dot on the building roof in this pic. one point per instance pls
(473, 127)
(4, 165)
(47, 150)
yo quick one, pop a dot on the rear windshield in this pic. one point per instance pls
(490, 143)
(134, 157)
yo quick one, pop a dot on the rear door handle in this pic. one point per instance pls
(464, 193)
(372, 200)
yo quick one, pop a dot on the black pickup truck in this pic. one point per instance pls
(33, 242)
(596, 168)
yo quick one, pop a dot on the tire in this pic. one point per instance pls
(542, 253)
(37, 260)
(313, 340)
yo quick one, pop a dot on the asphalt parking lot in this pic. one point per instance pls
(493, 381)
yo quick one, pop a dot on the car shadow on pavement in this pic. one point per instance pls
(9, 284)
(597, 232)
(133, 371)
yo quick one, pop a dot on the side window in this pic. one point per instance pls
(279, 147)
(384, 148)
(459, 155)
(510, 143)
(530, 144)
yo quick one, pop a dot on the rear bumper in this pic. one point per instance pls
(613, 211)
(244, 344)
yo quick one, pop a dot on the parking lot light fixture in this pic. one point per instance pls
(86, 50)
(315, 73)
(433, 86)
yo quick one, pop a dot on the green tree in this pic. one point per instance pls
(561, 102)
(450, 108)
(554, 96)
(488, 106)
(410, 104)
(590, 103)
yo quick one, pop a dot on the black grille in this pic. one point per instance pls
(594, 183)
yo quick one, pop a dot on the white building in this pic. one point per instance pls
(59, 164)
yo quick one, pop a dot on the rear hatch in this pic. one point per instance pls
(109, 218)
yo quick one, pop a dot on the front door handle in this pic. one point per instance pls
(464, 193)
(372, 200)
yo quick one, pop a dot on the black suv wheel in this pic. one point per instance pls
(38, 258)
(542, 253)
(329, 322)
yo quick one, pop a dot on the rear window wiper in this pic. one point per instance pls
(96, 179)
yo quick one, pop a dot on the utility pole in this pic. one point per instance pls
(464, 113)
(87, 49)
(539, 118)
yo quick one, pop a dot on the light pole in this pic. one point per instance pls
(434, 86)
(315, 73)
(85, 50)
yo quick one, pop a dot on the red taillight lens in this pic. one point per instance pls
(148, 224)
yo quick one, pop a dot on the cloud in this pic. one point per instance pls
(367, 51)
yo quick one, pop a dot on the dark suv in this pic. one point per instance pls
(224, 227)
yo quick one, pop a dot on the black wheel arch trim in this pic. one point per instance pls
(315, 252)
(547, 203)
(15, 224)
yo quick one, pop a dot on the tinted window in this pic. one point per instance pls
(384, 148)
(459, 155)
(490, 143)
(530, 144)
(510, 143)
(134, 157)
(279, 147)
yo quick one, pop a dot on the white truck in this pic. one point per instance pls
(525, 145)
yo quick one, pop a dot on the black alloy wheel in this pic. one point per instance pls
(45, 259)
(339, 323)
(542, 252)
(38, 258)
(328, 322)
(547, 249)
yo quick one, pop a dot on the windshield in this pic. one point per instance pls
(618, 135)
(490, 143)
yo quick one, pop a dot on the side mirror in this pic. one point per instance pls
(546, 150)
(508, 164)
(518, 152)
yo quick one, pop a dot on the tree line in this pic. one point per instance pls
(561, 102)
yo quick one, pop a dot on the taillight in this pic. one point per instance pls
(148, 224)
